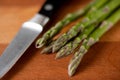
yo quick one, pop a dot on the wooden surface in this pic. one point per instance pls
(102, 62)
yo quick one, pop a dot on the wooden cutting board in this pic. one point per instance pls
(102, 62)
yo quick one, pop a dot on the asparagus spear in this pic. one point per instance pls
(93, 38)
(69, 47)
(96, 5)
(69, 18)
(91, 18)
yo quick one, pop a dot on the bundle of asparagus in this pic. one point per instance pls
(69, 18)
(92, 7)
(99, 17)
(93, 17)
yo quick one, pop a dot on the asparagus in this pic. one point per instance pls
(69, 18)
(69, 47)
(95, 5)
(91, 18)
(92, 39)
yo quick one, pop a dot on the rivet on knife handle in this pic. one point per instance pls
(50, 7)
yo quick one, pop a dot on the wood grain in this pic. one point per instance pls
(100, 63)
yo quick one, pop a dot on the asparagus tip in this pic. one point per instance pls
(38, 45)
(58, 56)
(71, 71)
(58, 44)
(47, 50)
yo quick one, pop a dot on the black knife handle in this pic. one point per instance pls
(50, 6)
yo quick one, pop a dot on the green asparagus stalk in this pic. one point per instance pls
(91, 18)
(96, 5)
(70, 47)
(92, 39)
(69, 18)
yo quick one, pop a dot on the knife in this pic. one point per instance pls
(26, 35)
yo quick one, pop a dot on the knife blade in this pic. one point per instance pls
(26, 35)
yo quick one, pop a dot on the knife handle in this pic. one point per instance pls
(50, 6)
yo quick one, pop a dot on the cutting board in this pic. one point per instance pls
(102, 62)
